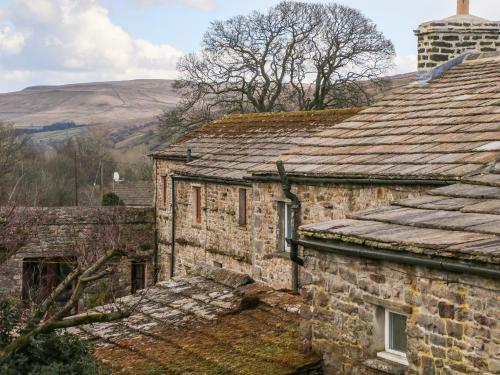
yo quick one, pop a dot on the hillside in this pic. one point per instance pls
(125, 110)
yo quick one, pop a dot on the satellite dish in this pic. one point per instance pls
(116, 177)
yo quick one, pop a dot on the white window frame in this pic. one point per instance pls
(287, 227)
(391, 354)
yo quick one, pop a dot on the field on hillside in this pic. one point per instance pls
(124, 111)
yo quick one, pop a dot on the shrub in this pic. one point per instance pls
(47, 354)
(111, 199)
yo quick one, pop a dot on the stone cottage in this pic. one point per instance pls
(412, 288)
(205, 206)
(65, 235)
(220, 200)
(409, 288)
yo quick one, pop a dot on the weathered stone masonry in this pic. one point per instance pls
(452, 327)
(319, 203)
(59, 228)
(253, 248)
(442, 41)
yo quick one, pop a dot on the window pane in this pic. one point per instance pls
(281, 226)
(397, 332)
(288, 227)
(243, 207)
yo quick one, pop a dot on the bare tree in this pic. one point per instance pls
(340, 61)
(11, 147)
(16, 228)
(294, 56)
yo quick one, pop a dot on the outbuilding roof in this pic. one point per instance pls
(444, 129)
(193, 325)
(135, 193)
(229, 147)
(456, 221)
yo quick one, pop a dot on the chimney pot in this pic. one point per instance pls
(463, 7)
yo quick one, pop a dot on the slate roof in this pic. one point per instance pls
(193, 325)
(458, 221)
(229, 147)
(445, 129)
(136, 193)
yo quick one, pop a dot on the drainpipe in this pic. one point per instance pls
(156, 267)
(172, 238)
(294, 248)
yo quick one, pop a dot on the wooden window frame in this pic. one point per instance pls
(242, 207)
(133, 288)
(197, 210)
(164, 182)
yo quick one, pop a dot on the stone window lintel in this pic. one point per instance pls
(388, 304)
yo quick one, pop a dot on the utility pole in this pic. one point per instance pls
(102, 181)
(76, 175)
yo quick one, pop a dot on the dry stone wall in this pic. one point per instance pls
(452, 327)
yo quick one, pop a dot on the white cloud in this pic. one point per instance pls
(60, 41)
(205, 5)
(11, 42)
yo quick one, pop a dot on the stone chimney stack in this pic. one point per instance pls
(442, 41)
(463, 8)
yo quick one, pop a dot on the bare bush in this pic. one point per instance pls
(97, 249)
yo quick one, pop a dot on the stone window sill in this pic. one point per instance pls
(386, 366)
(391, 357)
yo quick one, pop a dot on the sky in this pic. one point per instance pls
(52, 42)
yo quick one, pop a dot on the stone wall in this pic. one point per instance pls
(163, 172)
(319, 203)
(219, 238)
(75, 232)
(452, 327)
(442, 41)
(250, 249)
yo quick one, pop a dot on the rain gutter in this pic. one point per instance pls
(442, 264)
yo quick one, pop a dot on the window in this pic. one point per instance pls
(42, 276)
(197, 204)
(138, 275)
(285, 225)
(164, 190)
(395, 338)
(242, 216)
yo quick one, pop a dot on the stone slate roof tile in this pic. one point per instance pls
(194, 325)
(445, 129)
(458, 221)
(231, 146)
(137, 193)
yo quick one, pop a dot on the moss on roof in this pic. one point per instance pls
(261, 341)
(242, 123)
